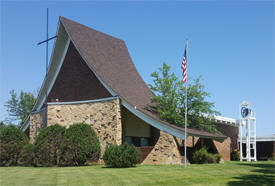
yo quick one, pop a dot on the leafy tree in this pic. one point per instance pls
(166, 96)
(170, 100)
(19, 107)
(2, 124)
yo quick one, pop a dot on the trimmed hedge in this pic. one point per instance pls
(121, 156)
(48, 145)
(80, 144)
(12, 141)
(27, 156)
(202, 156)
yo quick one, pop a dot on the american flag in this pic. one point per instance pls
(184, 65)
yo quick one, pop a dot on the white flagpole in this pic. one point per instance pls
(185, 124)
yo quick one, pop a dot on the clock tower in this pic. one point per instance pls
(247, 112)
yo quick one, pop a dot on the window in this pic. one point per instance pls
(137, 141)
(144, 142)
(128, 140)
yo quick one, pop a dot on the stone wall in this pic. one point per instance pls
(104, 117)
(164, 152)
(37, 120)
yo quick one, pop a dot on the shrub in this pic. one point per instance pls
(12, 141)
(80, 144)
(218, 157)
(235, 155)
(210, 158)
(27, 156)
(202, 156)
(121, 156)
(272, 158)
(48, 145)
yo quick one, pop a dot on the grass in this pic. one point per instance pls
(229, 173)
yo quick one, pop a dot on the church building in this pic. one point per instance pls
(92, 79)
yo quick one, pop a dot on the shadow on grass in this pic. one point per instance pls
(266, 175)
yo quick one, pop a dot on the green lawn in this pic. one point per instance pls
(229, 173)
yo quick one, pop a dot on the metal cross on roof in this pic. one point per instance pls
(47, 48)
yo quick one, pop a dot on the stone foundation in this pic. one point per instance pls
(37, 120)
(164, 152)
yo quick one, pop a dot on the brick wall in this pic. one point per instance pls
(145, 151)
(223, 148)
(232, 132)
(190, 142)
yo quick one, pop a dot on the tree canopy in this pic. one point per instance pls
(19, 107)
(169, 96)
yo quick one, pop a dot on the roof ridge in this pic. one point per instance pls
(93, 29)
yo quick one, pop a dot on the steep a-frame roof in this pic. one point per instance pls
(109, 59)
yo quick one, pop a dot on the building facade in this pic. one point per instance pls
(92, 79)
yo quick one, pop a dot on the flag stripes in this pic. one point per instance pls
(184, 67)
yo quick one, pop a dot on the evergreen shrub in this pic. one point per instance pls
(48, 145)
(81, 144)
(12, 141)
(27, 156)
(202, 156)
(118, 156)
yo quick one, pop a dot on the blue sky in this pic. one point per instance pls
(231, 44)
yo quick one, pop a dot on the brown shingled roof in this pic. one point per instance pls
(110, 59)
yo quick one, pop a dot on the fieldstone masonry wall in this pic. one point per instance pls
(36, 124)
(164, 152)
(104, 117)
